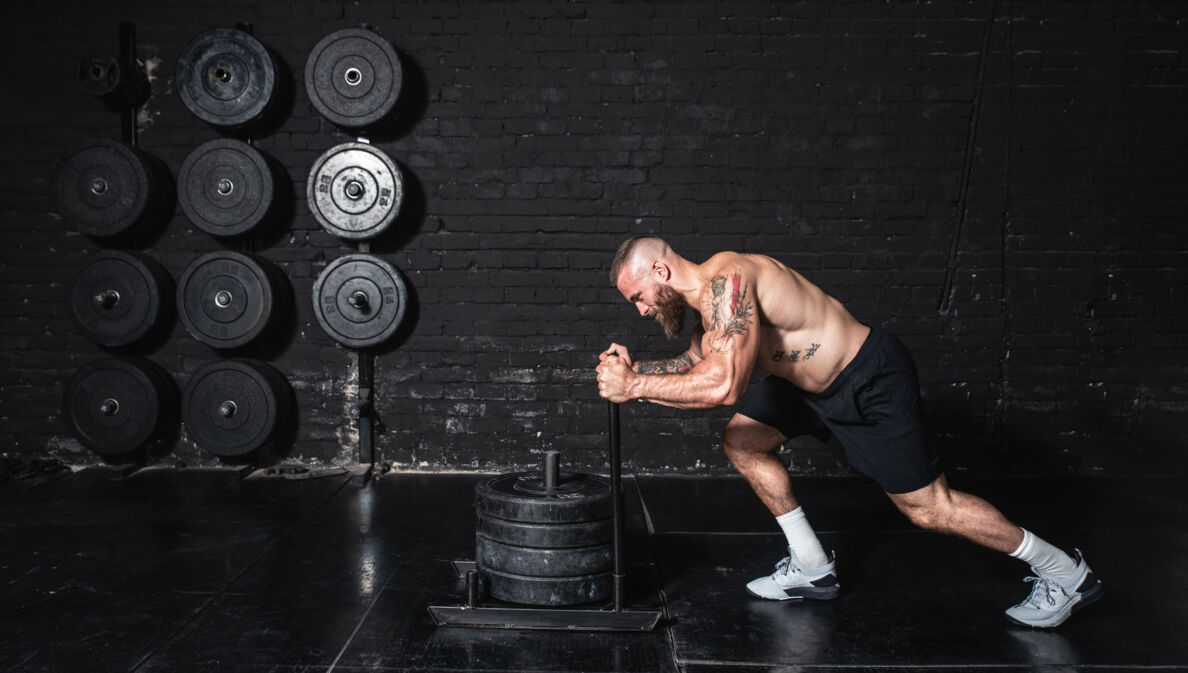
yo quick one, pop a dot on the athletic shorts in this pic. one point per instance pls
(873, 408)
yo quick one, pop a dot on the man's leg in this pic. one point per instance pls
(1064, 583)
(751, 447)
(938, 508)
(808, 572)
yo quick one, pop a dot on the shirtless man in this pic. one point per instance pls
(828, 375)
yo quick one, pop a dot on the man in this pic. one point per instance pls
(828, 374)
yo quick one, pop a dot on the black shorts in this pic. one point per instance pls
(873, 408)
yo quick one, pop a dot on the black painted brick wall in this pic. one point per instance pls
(1001, 184)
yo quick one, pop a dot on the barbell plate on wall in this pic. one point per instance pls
(117, 298)
(360, 300)
(521, 497)
(538, 562)
(543, 535)
(227, 299)
(117, 405)
(226, 77)
(355, 191)
(226, 187)
(233, 407)
(114, 81)
(106, 188)
(100, 74)
(547, 590)
(353, 77)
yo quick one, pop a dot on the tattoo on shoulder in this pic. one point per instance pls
(731, 311)
(718, 289)
(678, 365)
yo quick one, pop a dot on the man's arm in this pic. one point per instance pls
(728, 344)
(678, 365)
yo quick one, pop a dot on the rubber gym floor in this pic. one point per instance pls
(208, 570)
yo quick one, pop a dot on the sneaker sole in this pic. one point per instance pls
(802, 593)
(1085, 600)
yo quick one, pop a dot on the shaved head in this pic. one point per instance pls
(633, 263)
(636, 254)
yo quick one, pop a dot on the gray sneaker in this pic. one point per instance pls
(1050, 602)
(793, 581)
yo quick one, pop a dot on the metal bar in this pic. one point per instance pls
(560, 619)
(366, 386)
(616, 505)
(552, 470)
(128, 59)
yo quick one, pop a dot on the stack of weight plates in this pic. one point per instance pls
(545, 546)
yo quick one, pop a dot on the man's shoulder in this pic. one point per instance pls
(725, 266)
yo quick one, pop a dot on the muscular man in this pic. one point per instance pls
(828, 374)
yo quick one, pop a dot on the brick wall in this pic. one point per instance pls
(1000, 183)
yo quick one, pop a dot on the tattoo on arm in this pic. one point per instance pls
(678, 365)
(731, 312)
(718, 288)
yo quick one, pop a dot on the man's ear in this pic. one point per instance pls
(661, 271)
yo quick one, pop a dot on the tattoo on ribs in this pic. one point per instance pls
(678, 365)
(812, 351)
(729, 319)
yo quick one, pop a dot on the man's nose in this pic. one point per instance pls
(642, 308)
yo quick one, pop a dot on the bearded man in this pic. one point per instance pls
(828, 375)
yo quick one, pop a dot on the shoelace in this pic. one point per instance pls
(785, 567)
(1046, 587)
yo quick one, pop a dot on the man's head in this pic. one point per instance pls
(642, 272)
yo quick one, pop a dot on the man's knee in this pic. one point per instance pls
(930, 508)
(928, 516)
(745, 438)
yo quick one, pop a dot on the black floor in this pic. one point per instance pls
(198, 570)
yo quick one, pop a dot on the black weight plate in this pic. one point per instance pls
(233, 407)
(116, 82)
(117, 405)
(227, 299)
(355, 191)
(117, 298)
(534, 562)
(226, 77)
(353, 77)
(106, 188)
(544, 535)
(515, 497)
(553, 591)
(360, 300)
(225, 187)
(100, 74)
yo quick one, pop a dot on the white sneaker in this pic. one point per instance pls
(793, 581)
(1050, 602)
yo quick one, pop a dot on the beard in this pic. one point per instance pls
(670, 311)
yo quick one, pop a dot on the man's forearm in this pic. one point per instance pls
(678, 365)
(699, 387)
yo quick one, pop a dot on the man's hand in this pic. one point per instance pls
(616, 350)
(614, 379)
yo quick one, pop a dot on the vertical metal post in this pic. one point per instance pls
(366, 425)
(616, 506)
(128, 59)
(552, 470)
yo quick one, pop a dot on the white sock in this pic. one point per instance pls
(802, 539)
(1045, 559)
